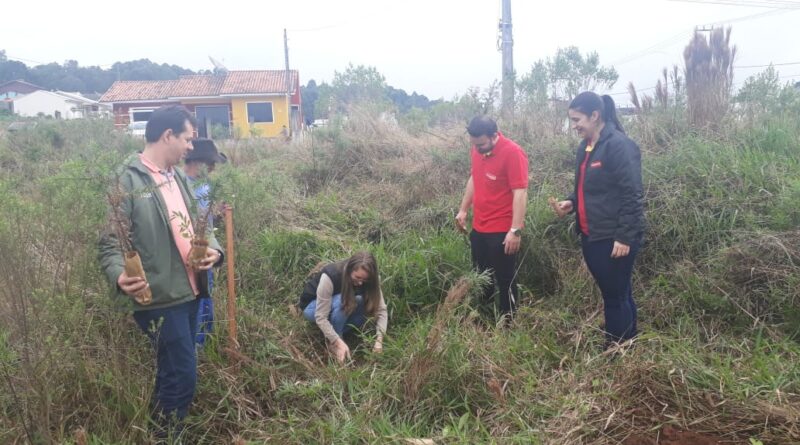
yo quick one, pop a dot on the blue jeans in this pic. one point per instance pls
(613, 277)
(205, 313)
(205, 319)
(339, 319)
(172, 332)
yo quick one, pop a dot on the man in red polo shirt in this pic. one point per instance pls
(497, 190)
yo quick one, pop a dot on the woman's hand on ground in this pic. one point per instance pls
(340, 350)
(378, 348)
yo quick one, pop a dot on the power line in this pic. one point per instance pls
(768, 65)
(26, 60)
(786, 4)
(649, 50)
(638, 90)
(773, 4)
(628, 92)
(687, 33)
(38, 62)
(319, 28)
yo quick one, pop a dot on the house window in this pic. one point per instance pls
(259, 112)
(140, 114)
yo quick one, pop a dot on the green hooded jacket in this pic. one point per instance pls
(151, 236)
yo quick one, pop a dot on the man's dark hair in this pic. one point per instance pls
(482, 126)
(170, 117)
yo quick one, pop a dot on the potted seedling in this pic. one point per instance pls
(198, 236)
(120, 225)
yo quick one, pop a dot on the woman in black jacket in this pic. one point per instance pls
(342, 295)
(609, 206)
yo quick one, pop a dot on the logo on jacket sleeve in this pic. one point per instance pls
(596, 164)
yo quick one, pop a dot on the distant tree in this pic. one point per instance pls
(764, 93)
(364, 84)
(144, 69)
(461, 109)
(400, 98)
(406, 102)
(564, 76)
(11, 69)
(309, 95)
(70, 76)
(48, 76)
(359, 84)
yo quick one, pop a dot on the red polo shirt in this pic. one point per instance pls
(494, 176)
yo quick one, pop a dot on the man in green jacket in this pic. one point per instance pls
(159, 211)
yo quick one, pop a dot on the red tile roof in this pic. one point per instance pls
(232, 83)
(124, 90)
(199, 85)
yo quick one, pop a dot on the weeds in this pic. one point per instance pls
(715, 286)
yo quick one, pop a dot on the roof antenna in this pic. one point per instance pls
(219, 68)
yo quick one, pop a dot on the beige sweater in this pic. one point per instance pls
(323, 310)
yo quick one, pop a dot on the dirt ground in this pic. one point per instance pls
(672, 436)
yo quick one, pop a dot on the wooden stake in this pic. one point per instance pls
(233, 343)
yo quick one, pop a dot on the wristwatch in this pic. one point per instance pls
(516, 232)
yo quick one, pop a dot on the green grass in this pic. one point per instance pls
(716, 286)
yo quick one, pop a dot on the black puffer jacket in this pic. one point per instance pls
(334, 272)
(612, 188)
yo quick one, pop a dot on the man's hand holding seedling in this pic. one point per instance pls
(211, 258)
(131, 285)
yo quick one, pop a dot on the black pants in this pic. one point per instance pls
(488, 253)
(613, 277)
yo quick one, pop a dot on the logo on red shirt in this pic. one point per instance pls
(491, 176)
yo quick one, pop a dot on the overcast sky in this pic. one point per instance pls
(435, 47)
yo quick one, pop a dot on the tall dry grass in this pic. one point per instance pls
(715, 283)
(709, 77)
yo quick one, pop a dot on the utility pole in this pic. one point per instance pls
(288, 80)
(507, 48)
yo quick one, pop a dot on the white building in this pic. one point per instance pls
(58, 104)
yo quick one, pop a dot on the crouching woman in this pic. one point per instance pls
(342, 296)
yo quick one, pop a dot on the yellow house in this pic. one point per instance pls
(238, 104)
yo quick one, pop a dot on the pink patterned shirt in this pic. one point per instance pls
(168, 187)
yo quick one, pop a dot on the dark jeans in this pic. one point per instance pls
(613, 277)
(205, 312)
(205, 319)
(172, 332)
(488, 253)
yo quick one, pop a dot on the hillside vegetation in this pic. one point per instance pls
(717, 283)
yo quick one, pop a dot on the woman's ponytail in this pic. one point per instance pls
(610, 113)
